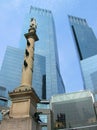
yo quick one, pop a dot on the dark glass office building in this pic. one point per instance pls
(84, 37)
(47, 79)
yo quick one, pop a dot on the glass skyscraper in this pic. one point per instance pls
(47, 47)
(10, 74)
(86, 44)
(47, 79)
(84, 37)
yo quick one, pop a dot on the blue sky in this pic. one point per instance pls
(12, 13)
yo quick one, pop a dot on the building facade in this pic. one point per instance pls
(73, 111)
(3, 100)
(10, 74)
(86, 46)
(89, 70)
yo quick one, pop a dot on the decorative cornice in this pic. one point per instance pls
(28, 93)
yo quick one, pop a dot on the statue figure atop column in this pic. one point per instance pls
(33, 23)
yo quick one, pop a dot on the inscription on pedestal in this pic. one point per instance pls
(20, 109)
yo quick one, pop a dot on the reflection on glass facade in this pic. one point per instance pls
(73, 110)
(10, 74)
(11, 70)
(43, 118)
(43, 105)
(3, 100)
(47, 47)
(89, 70)
(44, 108)
(84, 37)
(38, 79)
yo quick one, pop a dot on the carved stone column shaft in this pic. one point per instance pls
(28, 63)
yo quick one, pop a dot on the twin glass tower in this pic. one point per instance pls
(86, 46)
(84, 37)
(47, 79)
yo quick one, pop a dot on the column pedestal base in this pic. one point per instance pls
(19, 124)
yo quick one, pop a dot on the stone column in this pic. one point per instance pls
(31, 37)
(24, 99)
